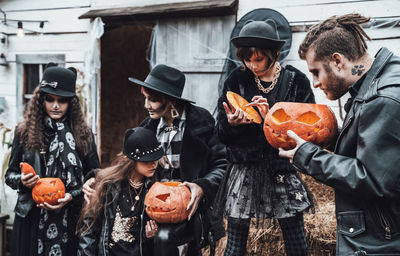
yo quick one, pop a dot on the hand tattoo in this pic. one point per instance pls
(357, 70)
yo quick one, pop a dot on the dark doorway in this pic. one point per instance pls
(124, 51)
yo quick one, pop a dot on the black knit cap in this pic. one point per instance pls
(140, 144)
(58, 81)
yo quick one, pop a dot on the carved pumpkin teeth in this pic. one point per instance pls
(312, 122)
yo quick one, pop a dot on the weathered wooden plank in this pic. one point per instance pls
(194, 44)
(168, 10)
(203, 89)
(59, 21)
(103, 4)
(319, 10)
(19, 5)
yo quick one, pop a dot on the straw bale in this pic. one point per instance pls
(320, 228)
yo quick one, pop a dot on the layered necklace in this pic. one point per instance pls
(135, 186)
(273, 83)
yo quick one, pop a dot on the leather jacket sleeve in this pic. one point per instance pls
(88, 241)
(216, 165)
(374, 170)
(13, 174)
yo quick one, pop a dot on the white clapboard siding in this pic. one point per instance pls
(300, 11)
(59, 21)
(18, 5)
(72, 45)
(197, 46)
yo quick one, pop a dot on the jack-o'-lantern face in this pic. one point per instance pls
(166, 202)
(48, 190)
(312, 122)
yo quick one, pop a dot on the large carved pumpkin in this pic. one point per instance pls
(237, 101)
(27, 168)
(48, 190)
(166, 202)
(312, 122)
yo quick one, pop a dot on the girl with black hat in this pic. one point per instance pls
(55, 139)
(193, 155)
(258, 183)
(114, 222)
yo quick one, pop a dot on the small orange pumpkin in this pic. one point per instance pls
(48, 190)
(237, 101)
(27, 168)
(166, 202)
(312, 122)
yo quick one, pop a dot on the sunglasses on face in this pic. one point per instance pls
(49, 98)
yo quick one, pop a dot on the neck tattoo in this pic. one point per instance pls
(357, 70)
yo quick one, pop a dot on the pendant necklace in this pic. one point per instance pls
(137, 197)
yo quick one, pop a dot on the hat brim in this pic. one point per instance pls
(58, 92)
(156, 155)
(156, 88)
(258, 42)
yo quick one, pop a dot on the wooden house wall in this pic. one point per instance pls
(303, 12)
(63, 33)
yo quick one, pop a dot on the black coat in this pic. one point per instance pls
(202, 161)
(97, 240)
(364, 171)
(13, 175)
(247, 143)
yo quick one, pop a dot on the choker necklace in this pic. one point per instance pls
(135, 184)
(274, 80)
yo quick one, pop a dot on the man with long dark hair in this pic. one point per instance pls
(364, 169)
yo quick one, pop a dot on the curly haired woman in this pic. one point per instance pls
(55, 139)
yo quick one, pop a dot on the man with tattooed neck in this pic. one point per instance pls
(364, 168)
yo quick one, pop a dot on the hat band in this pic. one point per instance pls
(138, 154)
(163, 86)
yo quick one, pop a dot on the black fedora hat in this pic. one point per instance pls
(259, 34)
(140, 144)
(164, 79)
(58, 81)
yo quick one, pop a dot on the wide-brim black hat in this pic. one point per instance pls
(164, 79)
(140, 144)
(259, 34)
(58, 81)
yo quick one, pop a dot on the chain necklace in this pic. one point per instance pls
(137, 197)
(135, 184)
(274, 80)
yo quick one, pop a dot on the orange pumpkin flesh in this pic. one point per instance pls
(237, 101)
(48, 190)
(27, 168)
(312, 122)
(166, 202)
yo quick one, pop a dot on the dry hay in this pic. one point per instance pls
(320, 228)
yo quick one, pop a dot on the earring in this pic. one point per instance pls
(174, 112)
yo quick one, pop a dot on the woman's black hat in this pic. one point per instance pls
(140, 144)
(164, 79)
(259, 34)
(58, 81)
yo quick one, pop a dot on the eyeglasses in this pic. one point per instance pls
(50, 99)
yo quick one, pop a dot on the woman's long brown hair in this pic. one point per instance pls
(120, 170)
(30, 130)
